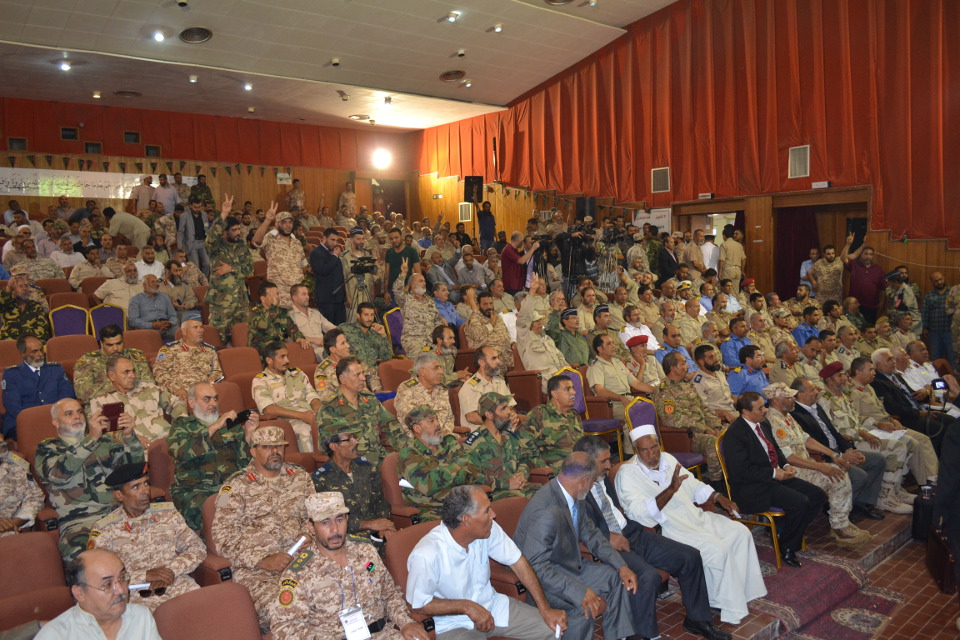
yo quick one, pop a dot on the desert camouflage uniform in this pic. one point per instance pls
(474, 387)
(411, 394)
(780, 371)
(779, 334)
(257, 517)
(194, 277)
(500, 460)
(115, 265)
(285, 258)
(371, 348)
(921, 456)
(273, 324)
(308, 600)
(419, 319)
(791, 438)
(90, 373)
(39, 268)
(147, 403)
(291, 391)
(159, 538)
(480, 332)
(73, 473)
(325, 380)
(551, 433)
(16, 321)
(228, 299)
(361, 491)
(202, 463)
(166, 226)
(434, 473)
(679, 406)
(449, 360)
(796, 307)
(20, 497)
(714, 391)
(178, 365)
(829, 279)
(370, 417)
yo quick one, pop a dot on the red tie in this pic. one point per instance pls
(770, 452)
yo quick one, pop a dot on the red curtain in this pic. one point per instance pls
(719, 90)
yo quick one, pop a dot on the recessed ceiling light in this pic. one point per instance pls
(247, 86)
(359, 116)
(468, 83)
(196, 35)
(251, 109)
(194, 79)
(453, 76)
(453, 16)
(497, 28)
(372, 122)
(65, 65)
(96, 95)
(158, 36)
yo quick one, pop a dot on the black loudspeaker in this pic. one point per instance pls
(473, 189)
(586, 207)
(858, 227)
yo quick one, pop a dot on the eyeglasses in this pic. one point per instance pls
(347, 439)
(122, 581)
(146, 593)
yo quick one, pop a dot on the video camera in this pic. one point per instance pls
(363, 265)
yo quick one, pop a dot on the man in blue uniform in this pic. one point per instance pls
(31, 383)
(730, 349)
(749, 375)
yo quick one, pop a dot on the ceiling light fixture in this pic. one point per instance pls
(382, 159)
(359, 116)
(497, 28)
(468, 83)
(193, 79)
(158, 36)
(65, 65)
(453, 16)
(251, 109)
(343, 95)
(372, 122)
(247, 86)
(96, 95)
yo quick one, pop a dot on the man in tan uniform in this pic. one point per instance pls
(785, 368)
(425, 386)
(826, 275)
(758, 333)
(609, 378)
(711, 383)
(489, 377)
(184, 362)
(732, 259)
(690, 322)
(20, 497)
(538, 352)
(285, 257)
(260, 515)
(285, 392)
(152, 538)
(642, 364)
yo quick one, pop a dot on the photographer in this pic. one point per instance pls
(514, 265)
(572, 261)
(358, 262)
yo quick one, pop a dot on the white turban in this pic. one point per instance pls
(643, 430)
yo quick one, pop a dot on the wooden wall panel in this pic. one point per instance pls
(759, 232)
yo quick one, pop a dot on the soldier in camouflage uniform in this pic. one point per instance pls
(230, 264)
(166, 226)
(444, 346)
(74, 465)
(308, 603)
(325, 378)
(152, 538)
(187, 361)
(34, 267)
(192, 274)
(260, 514)
(433, 464)
(553, 427)
(286, 392)
(419, 311)
(501, 451)
(205, 451)
(368, 341)
(269, 322)
(116, 263)
(353, 405)
(284, 253)
(20, 497)
(425, 387)
(361, 486)
(485, 328)
(20, 314)
(679, 406)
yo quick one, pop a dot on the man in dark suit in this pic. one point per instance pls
(330, 292)
(31, 383)
(760, 477)
(549, 533)
(645, 552)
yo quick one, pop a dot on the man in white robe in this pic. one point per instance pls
(653, 489)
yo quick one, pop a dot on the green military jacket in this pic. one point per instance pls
(235, 254)
(90, 373)
(362, 492)
(573, 346)
(500, 460)
(433, 473)
(373, 420)
(551, 433)
(271, 324)
(681, 407)
(16, 321)
(369, 346)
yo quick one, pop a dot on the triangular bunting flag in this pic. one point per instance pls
(182, 165)
(228, 170)
(123, 167)
(237, 166)
(49, 160)
(213, 171)
(12, 160)
(262, 170)
(170, 167)
(66, 163)
(276, 171)
(80, 164)
(197, 168)
(89, 164)
(106, 166)
(249, 169)
(33, 160)
(139, 166)
(153, 167)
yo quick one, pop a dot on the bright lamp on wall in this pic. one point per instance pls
(382, 159)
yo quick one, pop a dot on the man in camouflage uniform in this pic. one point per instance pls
(711, 383)
(20, 314)
(285, 256)
(359, 482)
(308, 603)
(205, 450)
(419, 311)
(230, 263)
(20, 497)
(679, 406)
(166, 226)
(500, 450)
(74, 466)
(192, 274)
(368, 341)
(285, 392)
(553, 428)
(356, 250)
(143, 401)
(485, 328)
(34, 267)
(355, 406)
(90, 268)
(425, 387)
(782, 329)
(152, 538)
(433, 464)
(826, 275)
(116, 263)
(325, 378)
(260, 514)
(187, 361)
(489, 377)
(269, 322)
(445, 348)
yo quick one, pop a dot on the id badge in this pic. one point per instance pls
(354, 624)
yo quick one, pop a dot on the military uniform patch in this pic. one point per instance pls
(472, 438)
(301, 560)
(698, 377)
(290, 583)
(286, 598)
(781, 433)
(668, 407)
(474, 381)
(226, 488)
(411, 382)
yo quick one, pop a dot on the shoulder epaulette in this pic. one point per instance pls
(362, 460)
(172, 343)
(738, 369)
(411, 382)
(293, 369)
(20, 462)
(262, 374)
(473, 381)
(473, 437)
(324, 363)
(105, 521)
(301, 561)
(209, 346)
(162, 506)
(698, 377)
(425, 349)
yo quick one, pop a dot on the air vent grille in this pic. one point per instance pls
(660, 179)
(799, 162)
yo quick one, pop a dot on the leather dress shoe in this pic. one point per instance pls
(791, 558)
(705, 628)
(869, 511)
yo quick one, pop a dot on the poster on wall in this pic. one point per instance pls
(658, 217)
(284, 178)
(73, 184)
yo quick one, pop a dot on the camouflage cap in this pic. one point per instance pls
(284, 215)
(126, 473)
(780, 312)
(778, 390)
(490, 401)
(267, 436)
(420, 412)
(325, 504)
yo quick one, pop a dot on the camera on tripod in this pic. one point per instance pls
(363, 265)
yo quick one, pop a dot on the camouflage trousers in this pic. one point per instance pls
(228, 309)
(75, 534)
(373, 379)
(706, 445)
(263, 587)
(895, 454)
(304, 435)
(414, 344)
(180, 586)
(189, 502)
(839, 495)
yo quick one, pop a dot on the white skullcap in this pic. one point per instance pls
(643, 430)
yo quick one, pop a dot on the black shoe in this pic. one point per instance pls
(869, 511)
(791, 558)
(705, 628)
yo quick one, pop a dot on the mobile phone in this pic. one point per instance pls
(112, 412)
(242, 417)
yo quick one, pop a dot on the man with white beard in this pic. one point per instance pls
(207, 448)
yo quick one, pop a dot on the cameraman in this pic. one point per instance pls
(571, 244)
(356, 250)
(514, 265)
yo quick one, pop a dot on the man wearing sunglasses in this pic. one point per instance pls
(152, 538)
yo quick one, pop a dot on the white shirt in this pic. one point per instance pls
(65, 260)
(77, 624)
(144, 269)
(630, 331)
(510, 319)
(753, 428)
(661, 477)
(439, 567)
(711, 255)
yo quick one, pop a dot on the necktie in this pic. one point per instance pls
(904, 389)
(576, 516)
(607, 509)
(770, 452)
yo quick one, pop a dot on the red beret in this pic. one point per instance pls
(635, 340)
(749, 281)
(831, 369)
